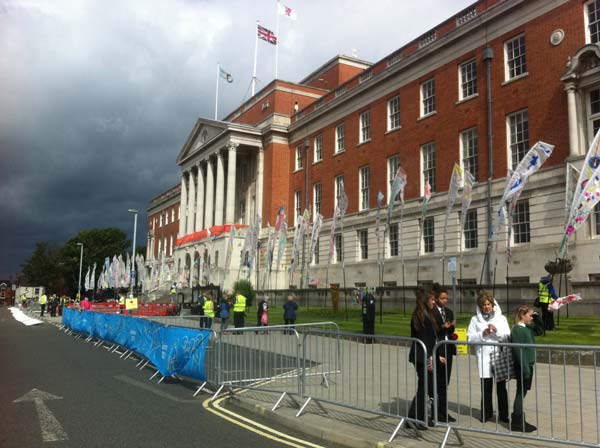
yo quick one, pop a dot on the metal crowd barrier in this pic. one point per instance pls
(562, 402)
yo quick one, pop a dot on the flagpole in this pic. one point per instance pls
(255, 58)
(277, 46)
(217, 90)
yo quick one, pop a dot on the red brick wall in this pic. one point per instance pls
(166, 231)
(276, 182)
(541, 92)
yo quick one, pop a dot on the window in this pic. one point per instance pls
(365, 180)
(470, 232)
(593, 113)
(393, 239)
(518, 134)
(428, 166)
(338, 248)
(299, 157)
(179, 212)
(161, 220)
(339, 185)
(317, 191)
(363, 244)
(518, 280)
(297, 206)
(365, 127)
(171, 247)
(468, 79)
(428, 235)
(514, 56)
(592, 21)
(339, 138)
(468, 150)
(596, 220)
(166, 217)
(521, 230)
(594, 277)
(428, 97)
(315, 255)
(172, 215)
(318, 148)
(394, 113)
(393, 164)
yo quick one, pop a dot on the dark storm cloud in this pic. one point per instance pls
(97, 100)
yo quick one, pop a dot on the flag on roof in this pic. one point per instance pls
(266, 35)
(286, 11)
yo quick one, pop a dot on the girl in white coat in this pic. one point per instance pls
(489, 326)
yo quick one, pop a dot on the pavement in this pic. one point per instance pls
(335, 425)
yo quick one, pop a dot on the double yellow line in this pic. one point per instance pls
(250, 425)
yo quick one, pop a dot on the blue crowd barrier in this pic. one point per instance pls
(173, 350)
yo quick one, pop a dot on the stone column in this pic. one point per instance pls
(210, 195)
(191, 203)
(183, 206)
(259, 181)
(572, 113)
(220, 190)
(230, 205)
(200, 200)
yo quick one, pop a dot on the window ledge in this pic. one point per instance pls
(363, 143)
(423, 117)
(317, 162)
(393, 130)
(469, 98)
(339, 153)
(297, 170)
(516, 78)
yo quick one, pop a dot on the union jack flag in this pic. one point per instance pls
(266, 35)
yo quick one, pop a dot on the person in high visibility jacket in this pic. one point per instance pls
(209, 311)
(43, 301)
(239, 310)
(546, 295)
(173, 292)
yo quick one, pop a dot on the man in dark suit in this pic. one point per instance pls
(447, 325)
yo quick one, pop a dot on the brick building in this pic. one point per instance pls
(479, 89)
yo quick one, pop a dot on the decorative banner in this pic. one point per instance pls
(315, 234)
(332, 235)
(562, 301)
(229, 250)
(93, 278)
(571, 176)
(398, 184)
(378, 231)
(467, 196)
(426, 198)
(583, 207)
(268, 256)
(86, 283)
(455, 184)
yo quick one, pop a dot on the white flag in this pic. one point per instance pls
(286, 11)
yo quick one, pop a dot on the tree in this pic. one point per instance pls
(97, 245)
(44, 267)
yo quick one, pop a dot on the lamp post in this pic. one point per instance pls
(135, 212)
(80, 265)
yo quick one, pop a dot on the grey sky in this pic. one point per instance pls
(97, 97)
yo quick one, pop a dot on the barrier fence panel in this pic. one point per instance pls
(562, 403)
(370, 373)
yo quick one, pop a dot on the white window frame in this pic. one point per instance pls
(521, 217)
(318, 148)
(317, 198)
(338, 248)
(428, 168)
(339, 180)
(467, 79)
(314, 260)
(365, 127)
(471, 242)
(592, 117)
(171, 246)
(299, 157)
(469, 150)
(393, 240)
(393, 113)
(393, 162)
(515, 58)
(595, 221)
(161, 220)
(363, 244)
(364, 186)
(427, 97)
(591, 38)
(517, 136)
(428, 232)
(339, 138)
(297, 206)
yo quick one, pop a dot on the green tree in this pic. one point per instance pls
(97, 245)
(45, 267)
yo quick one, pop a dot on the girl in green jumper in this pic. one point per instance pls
(527, 325)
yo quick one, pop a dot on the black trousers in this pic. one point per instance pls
(418, 405)
(443, 379)
(547, 317)
(43, 308)
(238, 319)
(487, 403)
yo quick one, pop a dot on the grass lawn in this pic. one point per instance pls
(571, 331)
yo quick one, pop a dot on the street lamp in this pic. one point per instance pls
(135, 212)
(80, 265)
